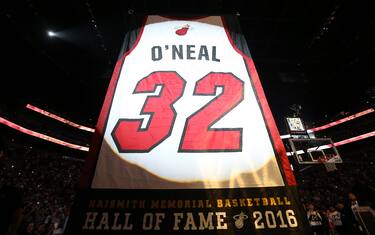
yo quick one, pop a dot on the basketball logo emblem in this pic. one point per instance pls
(183, 30)
(239, 219)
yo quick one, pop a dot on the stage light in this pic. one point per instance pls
(51, 34)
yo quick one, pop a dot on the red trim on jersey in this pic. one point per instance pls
(96, 142)
(270, 122)
(183, 18)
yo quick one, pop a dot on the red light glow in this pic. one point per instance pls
(42, 136)
(342, 142)
(351, 117)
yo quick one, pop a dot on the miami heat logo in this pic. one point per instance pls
(183, 30)
(239, 220)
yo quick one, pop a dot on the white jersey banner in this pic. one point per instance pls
(185, 142)
(185, 114)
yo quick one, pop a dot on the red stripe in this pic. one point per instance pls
(42, 136)
(270, 122)
(315, 129)
(58, 118)
(343, 142)
(354, 139)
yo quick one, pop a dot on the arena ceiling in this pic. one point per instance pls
(319, 54)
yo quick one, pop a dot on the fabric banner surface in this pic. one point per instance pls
(185, 142)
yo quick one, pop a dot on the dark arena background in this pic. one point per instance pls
(315, 61)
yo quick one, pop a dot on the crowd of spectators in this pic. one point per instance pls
(40, 187)
(330, 196)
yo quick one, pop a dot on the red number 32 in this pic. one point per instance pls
(198, 136)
